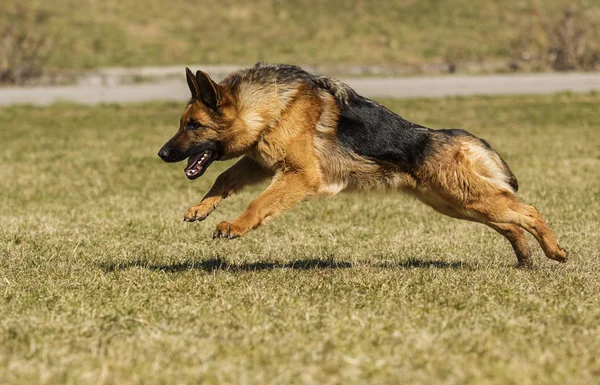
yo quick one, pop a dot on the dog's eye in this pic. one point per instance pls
(193, 125)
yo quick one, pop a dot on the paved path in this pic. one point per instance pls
(371, 87)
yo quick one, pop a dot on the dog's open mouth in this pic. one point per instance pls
(198, 163)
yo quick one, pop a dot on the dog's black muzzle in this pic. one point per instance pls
(170, 153)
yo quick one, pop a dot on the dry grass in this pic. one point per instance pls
(155, 32)
(101, 282)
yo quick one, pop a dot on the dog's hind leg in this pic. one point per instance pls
(501, 210)
(505, 208)
(472, 180)
(244, 173)
(517, 239)
(514, 234)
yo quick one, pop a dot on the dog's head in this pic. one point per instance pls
(209, 128)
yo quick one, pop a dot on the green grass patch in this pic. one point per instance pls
(133, 33)
(102, 282)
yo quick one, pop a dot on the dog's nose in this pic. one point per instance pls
(165, 153)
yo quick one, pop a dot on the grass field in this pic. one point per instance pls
(102, 283)
(93, 33)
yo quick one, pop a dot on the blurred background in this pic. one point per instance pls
(101, 282)
(58, 41)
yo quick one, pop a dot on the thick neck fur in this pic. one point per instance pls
(258, 104)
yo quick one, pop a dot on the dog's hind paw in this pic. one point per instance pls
(561, 255)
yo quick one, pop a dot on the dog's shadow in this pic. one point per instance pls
(220, 264)
(425, 264)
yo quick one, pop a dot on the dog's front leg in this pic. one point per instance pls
(244, 173)
(285, 191)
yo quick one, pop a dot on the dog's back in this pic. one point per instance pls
(366, 129)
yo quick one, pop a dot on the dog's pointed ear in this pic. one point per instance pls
(192, 83)
(208, 90)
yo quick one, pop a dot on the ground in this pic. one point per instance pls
(92, 33)
(102, 282)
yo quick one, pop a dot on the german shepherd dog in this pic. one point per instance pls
(313, 135)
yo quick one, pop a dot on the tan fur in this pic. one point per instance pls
(486, 164)
(288, 132)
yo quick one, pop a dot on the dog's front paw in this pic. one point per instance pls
(228, 230)
(198, 212)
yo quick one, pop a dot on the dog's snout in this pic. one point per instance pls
(170, 152)
(166, 153)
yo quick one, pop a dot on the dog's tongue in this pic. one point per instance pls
(192, 160)
(194, 166)
(197, 164)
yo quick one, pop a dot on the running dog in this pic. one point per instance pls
(313, 135)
